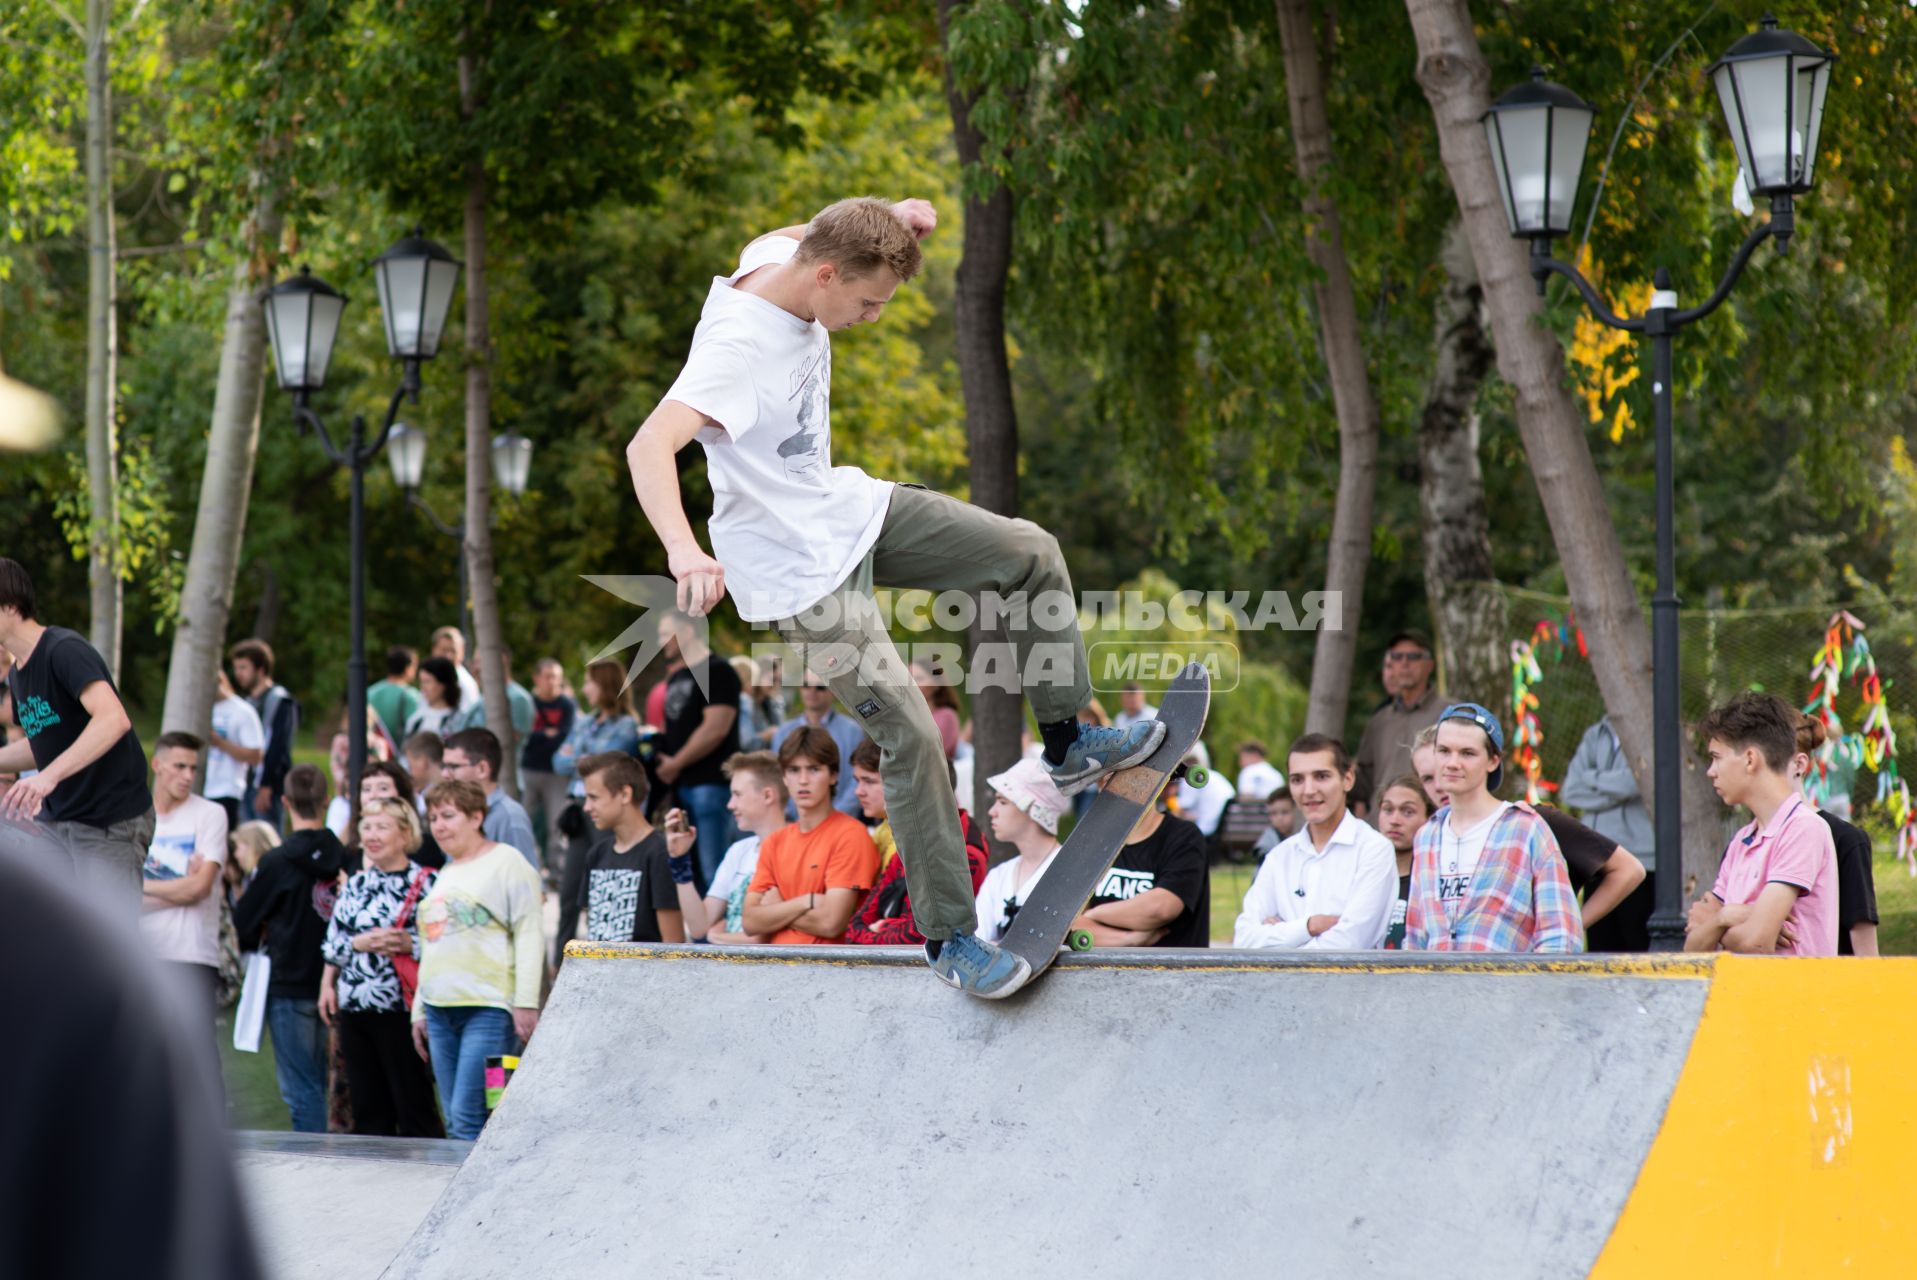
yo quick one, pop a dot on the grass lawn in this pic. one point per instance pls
(252, 1092)
(1896, 904)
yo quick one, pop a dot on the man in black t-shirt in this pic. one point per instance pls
(541, 787)
(88, 806)
(1158, 892)
(701, 734)
(637, 882)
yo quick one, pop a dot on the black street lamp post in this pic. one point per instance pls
(416, 280)
(1772, 85)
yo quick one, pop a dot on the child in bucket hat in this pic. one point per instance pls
(1025, 815)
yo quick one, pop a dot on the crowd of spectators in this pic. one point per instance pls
(403, 939)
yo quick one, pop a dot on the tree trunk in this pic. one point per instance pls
(1350, 550)
(1456, 81)
(488, 635)
(103, 347)
(232, 441)
(991, 420)
(1467, 607)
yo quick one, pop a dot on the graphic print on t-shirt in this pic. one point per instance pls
(167, 855)
(1125, 885)
(1452, 888)
(451, 913)
(36, 716)
(805, 451)
(612, 904)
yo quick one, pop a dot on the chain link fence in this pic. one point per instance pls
(1724, 652)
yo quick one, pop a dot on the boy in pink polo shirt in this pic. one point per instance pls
(1777, 888)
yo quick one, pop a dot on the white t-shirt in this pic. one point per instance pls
(1258, 780)
(186, 935)
(1459, 851)
(1001, 886)
(339, 812)
(788, 526)
(429, 719)
(733, 877)
(235, 720)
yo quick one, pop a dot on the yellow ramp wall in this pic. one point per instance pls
(1789, 1145)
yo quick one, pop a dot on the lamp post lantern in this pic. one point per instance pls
(512, 462)
(1771, 84)
(416, 279)
(512, 467)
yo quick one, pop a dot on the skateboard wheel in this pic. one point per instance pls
(1079, 940)
(1199, 778)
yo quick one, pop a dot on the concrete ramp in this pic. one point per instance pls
(333, 1207)
(811, 1112)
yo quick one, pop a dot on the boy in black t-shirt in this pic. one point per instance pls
(88, 806)
(637, 882)
(701, 734)
(1403, 807)
(1158, 892)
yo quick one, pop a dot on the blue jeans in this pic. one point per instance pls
(299, 1059)
(461, 1039)
(706, 808)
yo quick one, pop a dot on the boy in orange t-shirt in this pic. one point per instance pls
(813, 873)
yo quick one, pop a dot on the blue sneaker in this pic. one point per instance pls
(972, 964)
(1099, 750)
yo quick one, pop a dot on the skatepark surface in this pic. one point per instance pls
(332, 1207)
(759, 1112)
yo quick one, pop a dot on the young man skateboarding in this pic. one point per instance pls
(801, 544)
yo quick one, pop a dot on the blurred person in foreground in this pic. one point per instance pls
(132, 1176)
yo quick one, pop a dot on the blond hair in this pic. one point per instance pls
(859, 236)
(251, 842)
(761, 766)
(401, 813)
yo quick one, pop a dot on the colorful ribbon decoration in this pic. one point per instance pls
(1874, 745)
(1559, 638)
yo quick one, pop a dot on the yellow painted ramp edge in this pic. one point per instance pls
(1788, 1145)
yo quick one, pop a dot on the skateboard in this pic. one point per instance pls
(1044, 923)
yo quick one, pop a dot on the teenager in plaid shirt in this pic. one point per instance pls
(1486, 875)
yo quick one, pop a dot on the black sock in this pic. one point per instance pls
(933, 946)
(1059, 736)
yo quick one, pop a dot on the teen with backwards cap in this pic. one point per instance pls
(1486, 875)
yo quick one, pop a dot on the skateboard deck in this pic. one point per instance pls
(1043, 922)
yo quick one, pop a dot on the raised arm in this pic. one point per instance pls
(655, 479)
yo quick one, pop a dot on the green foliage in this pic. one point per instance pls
(1174, 412)
(1252, 699)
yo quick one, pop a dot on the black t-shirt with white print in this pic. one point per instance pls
(1172, 857)
(1394, 931)
(626, 889)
